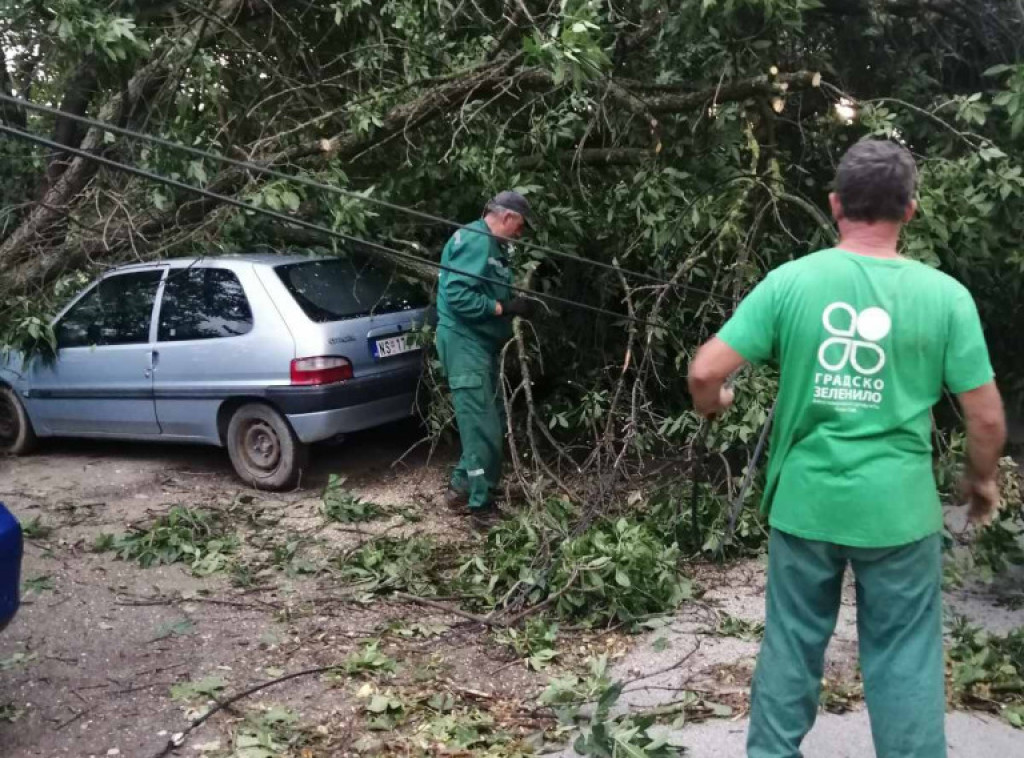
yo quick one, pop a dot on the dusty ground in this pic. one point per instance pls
(694, 654)
(87, 668)
(88, 665)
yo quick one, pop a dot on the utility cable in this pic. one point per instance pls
(313, 184)
(284, 218)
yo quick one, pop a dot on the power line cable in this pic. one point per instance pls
(284, 218)
(313, 184)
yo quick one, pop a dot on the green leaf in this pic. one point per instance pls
(279, 715)
(159, 200)
(204, 688)
(290, 200)
(17, 661)
(609, 697)
(660, 645)
(991, 153)
(627, 748)
(998, 69)
(1014, 715)
(197, 171)
(442, 701)
(179, 628)
(720, 710)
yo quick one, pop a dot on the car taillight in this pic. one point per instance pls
(324, 369)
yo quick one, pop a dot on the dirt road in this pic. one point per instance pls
(89, 665)
(110, 658)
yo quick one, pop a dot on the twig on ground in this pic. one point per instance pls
(178, 740)
(484, 620)
(544, 603)
(171, 600)
(665, 670)
(72, 720)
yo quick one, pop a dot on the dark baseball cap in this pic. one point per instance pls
(510, 200)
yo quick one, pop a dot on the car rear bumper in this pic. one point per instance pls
(313, 427)
(317, 413)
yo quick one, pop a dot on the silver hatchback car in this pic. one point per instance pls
(262, 354)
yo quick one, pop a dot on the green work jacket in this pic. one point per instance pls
(465, 303)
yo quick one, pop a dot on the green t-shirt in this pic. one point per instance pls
(864, 346)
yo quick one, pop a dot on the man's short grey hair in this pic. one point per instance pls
(876, 181)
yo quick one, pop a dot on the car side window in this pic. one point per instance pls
(117, 311)
(202, 304)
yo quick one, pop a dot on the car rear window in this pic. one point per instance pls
(202, 304)
(342, 289)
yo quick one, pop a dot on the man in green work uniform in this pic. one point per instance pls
(865, 340)
(475, 307)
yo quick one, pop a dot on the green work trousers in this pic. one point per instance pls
(899, 628)
(472, 370)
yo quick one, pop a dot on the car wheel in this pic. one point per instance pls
(16, 434)
(263, 448)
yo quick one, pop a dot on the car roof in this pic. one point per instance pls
(259, 259)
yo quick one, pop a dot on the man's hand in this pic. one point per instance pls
(710, 370)
(982, 496)
(726, 395)
(714, 409)
(519, 306)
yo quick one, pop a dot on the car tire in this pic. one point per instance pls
(17, 437)
(264, 449)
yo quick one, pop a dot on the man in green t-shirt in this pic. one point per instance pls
(475, 307)
(865, 340)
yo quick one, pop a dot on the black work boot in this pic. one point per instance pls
(455, 501)
(485, 517)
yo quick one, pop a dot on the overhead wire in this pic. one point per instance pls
(302, 223)
(302, 181)
(313, 184)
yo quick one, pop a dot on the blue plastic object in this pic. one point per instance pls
(10, 565)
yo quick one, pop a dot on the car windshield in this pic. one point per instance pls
(335, 290)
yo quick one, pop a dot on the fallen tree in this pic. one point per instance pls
(692, 142)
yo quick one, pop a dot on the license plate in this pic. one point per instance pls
(389, 346)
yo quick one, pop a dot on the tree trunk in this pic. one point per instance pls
(9, 114)
(77, 96)
(118, 109)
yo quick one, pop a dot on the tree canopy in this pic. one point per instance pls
(694, 141)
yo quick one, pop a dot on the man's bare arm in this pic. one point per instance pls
(712, 365)
(986, 436)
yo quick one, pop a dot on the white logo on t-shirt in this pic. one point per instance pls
(871, 325)
(853, 344)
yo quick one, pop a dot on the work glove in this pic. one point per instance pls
(519, 306)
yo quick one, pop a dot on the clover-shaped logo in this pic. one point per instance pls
(871, 325)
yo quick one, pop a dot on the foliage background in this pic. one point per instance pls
(692, 139)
